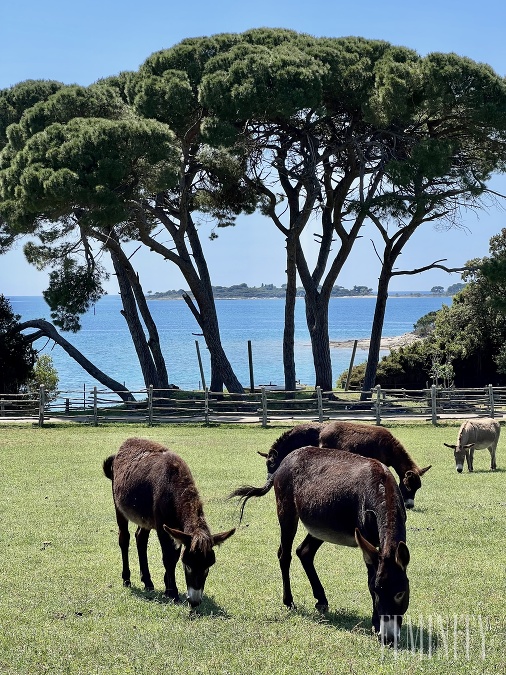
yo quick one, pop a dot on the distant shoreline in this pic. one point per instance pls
(394, 342)
(410, 295)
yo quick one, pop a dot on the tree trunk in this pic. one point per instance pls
(206, 317)
(289, 328)
(130, 313)
(47, 329)
(376, 331)
(318, 325)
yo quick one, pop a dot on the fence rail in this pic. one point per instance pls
(262, 406)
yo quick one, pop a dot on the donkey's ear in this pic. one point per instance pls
(222, 536)
(369, 551)
(179, 537)
(402, 555)
(262, 454)
(453, 447)
(422, 471)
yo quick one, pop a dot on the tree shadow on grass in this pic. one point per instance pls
(207, 607)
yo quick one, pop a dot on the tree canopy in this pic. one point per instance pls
(16, 354)
(344, 132)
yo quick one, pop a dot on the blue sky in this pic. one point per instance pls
(82, 42)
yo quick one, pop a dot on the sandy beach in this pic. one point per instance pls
(386, 342)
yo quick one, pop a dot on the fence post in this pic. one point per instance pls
(95, 408)
(320, 403)
(491, 399)
(42, 400)
(378, 404)
(264, 407)
(150, 405)
(433, 401)
(200, 364)
(206, 406)
(250, 361)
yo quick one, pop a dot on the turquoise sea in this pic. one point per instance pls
(105, 340)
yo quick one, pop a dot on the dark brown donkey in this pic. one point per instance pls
(348, 500)
(154, 488)
(361, 439)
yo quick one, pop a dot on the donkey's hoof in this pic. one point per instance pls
(149, 587)
(126, 582)
(322, 607)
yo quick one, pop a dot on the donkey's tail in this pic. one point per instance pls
(107, 466)
(247, 491)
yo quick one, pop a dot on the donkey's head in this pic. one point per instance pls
(197, 558)
(410, 484)
(460, 453)
(389, 587)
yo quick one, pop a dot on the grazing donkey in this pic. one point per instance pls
(361, 439)
(348, 500)
(153, 487)
(476, 435)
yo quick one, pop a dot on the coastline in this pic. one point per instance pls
(386, 342)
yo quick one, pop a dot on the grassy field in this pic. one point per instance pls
(63, 608)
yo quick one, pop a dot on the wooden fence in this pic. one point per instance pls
(263, 406)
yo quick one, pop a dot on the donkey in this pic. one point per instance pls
(153, 487)
(348, 500)
(476, 435)
(362, 439)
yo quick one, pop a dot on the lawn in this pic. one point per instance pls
(63, 608)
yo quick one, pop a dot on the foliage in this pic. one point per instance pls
(464, 343)
(71, 292)
(44, 375)
(455, 288)
(16, 355)
(55, 620)
(425, 324)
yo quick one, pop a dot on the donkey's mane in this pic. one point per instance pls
(202, 541)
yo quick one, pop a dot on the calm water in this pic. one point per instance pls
(105, 340)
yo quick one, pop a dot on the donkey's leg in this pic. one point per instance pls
(141, 539)
(306, 552)
(371, 579)
(124, 541)
(470, 459)
(170, 556)
(288, 523)
(492, 449)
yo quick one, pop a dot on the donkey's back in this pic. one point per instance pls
(147, 479)
(153, 488)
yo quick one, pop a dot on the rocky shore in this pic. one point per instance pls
(386, 342)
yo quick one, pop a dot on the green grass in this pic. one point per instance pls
(63, 608)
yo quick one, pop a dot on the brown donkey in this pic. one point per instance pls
(348, 500)
(361, 439)
(153, 487)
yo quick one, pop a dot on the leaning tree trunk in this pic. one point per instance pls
(48, 330)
